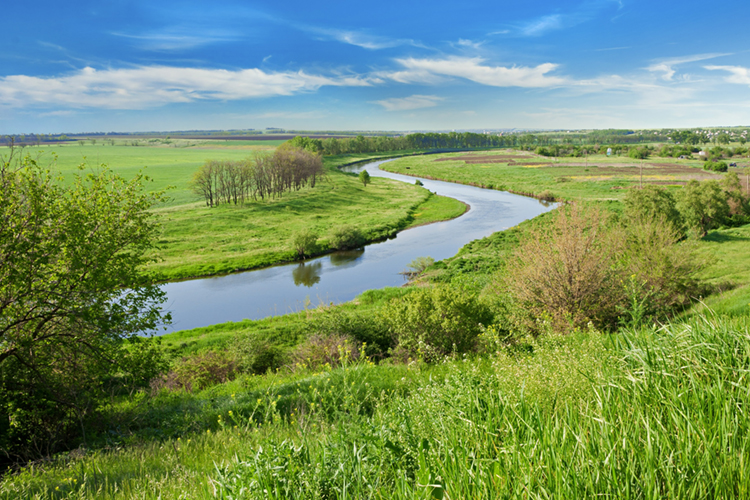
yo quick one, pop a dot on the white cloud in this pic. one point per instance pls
(543, 24)
(360, 39)
(179, 38)
(666, 66)
(433, 70)
(738, 73)
(148, 86)
(411, 102)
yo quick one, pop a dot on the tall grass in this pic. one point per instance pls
(647, 414)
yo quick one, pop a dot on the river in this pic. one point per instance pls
(341, 276)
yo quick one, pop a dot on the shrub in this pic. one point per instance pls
(547, 195)
(652, 202)
(703, 206)
(197, 372)
(582, 270)
(419, 264)
(347, 237)
(324, 350)
(715, 166)
(564, 272)
(362, 327)
(431, 323)
(418, 183)
(304, 242)
(256, 355)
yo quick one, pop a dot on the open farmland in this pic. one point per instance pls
(597, 177)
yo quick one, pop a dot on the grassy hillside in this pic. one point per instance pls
(570, 417)
(651, 412)
(199, 241)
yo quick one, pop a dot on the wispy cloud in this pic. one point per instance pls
(173, 39)
(409, 103)
(666, 66)
(738, 74)
(433, 70)
(546, 23)
(359, 38)
(149, 86)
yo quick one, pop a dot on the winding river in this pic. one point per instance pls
(341, 276)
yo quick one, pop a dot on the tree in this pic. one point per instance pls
(703, 206)
(565, 272)
(303, 242)
(73, 300)
(652, 202)
(364, 176)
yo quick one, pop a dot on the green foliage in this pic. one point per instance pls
(585, 271)
(715, 166)
(325, 351)
(304, 242)
(652, 202)
(420, 264)
(196, 372)
(649, 413)
(638, 153)
(418, 183)
(431, 323)
(256, 355)
(363, 327)
(703, 206)
(71, 293)
(364, 177)
(346, 237)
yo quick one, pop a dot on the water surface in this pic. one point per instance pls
(341, 276)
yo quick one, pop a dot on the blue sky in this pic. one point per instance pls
(387, 65)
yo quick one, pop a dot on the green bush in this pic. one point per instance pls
(715, 166)
(363, 327)
(346, 237)
(197, 372)
(328, 351)
(304, 242)
(256, 355)
(652, 202)
(432, 323)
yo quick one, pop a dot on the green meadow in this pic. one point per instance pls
(596, 177)
(645, 411)
(200, 241)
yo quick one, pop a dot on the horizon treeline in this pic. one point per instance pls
(260, 177)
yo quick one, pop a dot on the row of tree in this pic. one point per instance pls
(261, 177)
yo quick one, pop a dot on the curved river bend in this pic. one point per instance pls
(341, 276)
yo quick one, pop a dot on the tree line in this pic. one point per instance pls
(263, 176)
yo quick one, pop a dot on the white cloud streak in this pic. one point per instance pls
(434, 70)
(150, 86)
(666, 66)
(408, 103)
(738, 74)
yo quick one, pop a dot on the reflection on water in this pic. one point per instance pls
(345, 257)
(307, 274)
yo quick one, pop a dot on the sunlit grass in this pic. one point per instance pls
(656, 413)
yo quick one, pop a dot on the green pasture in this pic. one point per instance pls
(199, 241)
(643, 414)
(591, 178)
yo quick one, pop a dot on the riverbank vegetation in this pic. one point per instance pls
(198, 241)
(549, 360)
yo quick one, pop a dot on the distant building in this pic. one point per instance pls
(702, 153)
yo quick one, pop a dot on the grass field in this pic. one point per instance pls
(201, 241)
(651, 413)
(575, 417)
(596, 178)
